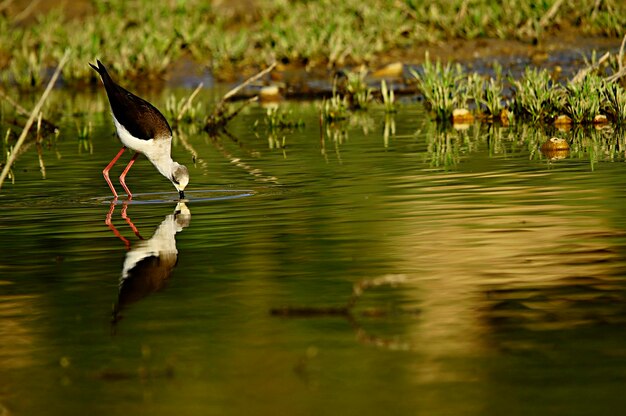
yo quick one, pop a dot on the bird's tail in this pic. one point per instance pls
(101, 69)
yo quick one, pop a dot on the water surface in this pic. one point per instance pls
(485, 277)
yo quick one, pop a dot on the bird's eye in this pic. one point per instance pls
(175, 180)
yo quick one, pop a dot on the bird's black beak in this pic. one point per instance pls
(181, 194)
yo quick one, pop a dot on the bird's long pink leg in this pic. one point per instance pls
(123, 175)
(105, 172)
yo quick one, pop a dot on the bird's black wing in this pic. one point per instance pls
(143, 120)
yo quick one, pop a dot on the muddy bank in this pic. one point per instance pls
(563, 54)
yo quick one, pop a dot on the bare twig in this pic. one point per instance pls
(5, 4)
(241, 107)
(620, 62)
(27, 11)
(596, 7)
(550, 13)
(220, 117)
(462, 12)
(620, 59)
(528, 29)
(33, 114)
(187, 104)
(247, 82)
(583, 72)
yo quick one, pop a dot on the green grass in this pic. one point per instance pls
(388, 98)
(441, 87)
(536, 97)
(143, 39)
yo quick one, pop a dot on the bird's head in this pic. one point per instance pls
(180, 178)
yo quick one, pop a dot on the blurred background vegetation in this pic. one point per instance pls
(144, 40)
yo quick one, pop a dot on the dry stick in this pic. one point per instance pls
(550, 14)
(462, 12)
(33, 114)
(217, 119)
(241, 107)
(250, 80)
(596, 7)
(620, 62)
(27, 11)
(187, 104)
(5, 4)
(583, 72)
(545, 20)
(621, 54)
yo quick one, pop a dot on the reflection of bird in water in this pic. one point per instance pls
(149, 264)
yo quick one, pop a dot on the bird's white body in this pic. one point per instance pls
(157, 150)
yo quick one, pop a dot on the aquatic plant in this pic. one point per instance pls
(357, 92)
(83, 132)
(182, 110)
(472, 90)
(582, 99)
(535, 96)
(334, 108)
(493, 98)
(614, 102)
(440, 86)
(277, 118)
(389, 100)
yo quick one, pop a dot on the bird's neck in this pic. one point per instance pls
(161, 157)
(165, 165)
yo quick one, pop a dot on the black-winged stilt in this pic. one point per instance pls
(142, 128)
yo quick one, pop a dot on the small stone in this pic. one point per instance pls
(462, 116)
(600, 119)
(393, 70)
(539, 57)
(555, 148)
(270, 93)
(555, 143)
(505, 117)
(563, 120)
